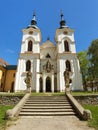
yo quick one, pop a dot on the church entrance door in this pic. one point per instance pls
(48, 84)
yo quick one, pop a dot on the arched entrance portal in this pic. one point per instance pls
(48, 84)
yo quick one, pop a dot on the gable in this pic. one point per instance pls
(47, 44)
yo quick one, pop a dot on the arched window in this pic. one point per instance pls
(48, 55)
(66, 46)
(68, 65)
(30, 45)
(28, 65)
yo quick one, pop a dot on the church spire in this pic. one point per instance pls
(33, 21)
(62, 22)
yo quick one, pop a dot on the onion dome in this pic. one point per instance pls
(33, 22)
(62, 22)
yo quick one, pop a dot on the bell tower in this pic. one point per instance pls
(67, 58)
(29, 58)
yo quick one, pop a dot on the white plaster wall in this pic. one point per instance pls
(45, 51)
(19, 78)
(70, 36)
(37, 75)
(77, 77)
(35, 36)
(21, 74)
(21, 70)
(36, 48)
(24, 46)
(75, 74)
(60, 82)
(71, 45)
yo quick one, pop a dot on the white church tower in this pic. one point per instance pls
(29, 59)
(67, 57)
(47, 62)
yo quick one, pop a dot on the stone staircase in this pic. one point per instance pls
(47, 106)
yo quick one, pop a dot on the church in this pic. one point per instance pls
(48, 61)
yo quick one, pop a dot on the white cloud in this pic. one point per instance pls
(10, 51)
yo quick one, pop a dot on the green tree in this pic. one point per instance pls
(93, 58)
(84, 62)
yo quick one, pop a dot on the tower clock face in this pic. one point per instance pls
(30, 32)
(65, 32)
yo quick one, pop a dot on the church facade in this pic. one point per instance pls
(47, 62)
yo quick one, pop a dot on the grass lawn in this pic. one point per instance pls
(12, 94)
(94, 121)
(83, 93)
(2, 115)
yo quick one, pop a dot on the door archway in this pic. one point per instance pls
(48, 84)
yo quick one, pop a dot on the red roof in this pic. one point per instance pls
(3, 62)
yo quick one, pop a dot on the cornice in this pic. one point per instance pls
(66, 54)
(31, 29)
(29, 54)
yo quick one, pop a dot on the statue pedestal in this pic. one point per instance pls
(28, 90)
(67, 90)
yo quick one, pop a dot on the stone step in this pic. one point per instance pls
(37, 100)
(45, 107)
(47, 110)
(55, 104)
(48, 98)
(34, 99)
(48, 103)
(46, 113)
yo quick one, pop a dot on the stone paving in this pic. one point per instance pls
(49, 123)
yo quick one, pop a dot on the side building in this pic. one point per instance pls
(7, 76)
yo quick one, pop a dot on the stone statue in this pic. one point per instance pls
(44, 67)
(67, 77)
(28, 80)
(48, 66)
(52, 67)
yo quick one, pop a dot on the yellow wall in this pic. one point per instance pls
(10, 78)
(2, 78)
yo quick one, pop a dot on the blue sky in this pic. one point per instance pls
(15, 15)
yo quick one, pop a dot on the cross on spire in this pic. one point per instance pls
(62, 16)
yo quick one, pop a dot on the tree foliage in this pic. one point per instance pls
(83, 59)
(93, 58)
(89, 65)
